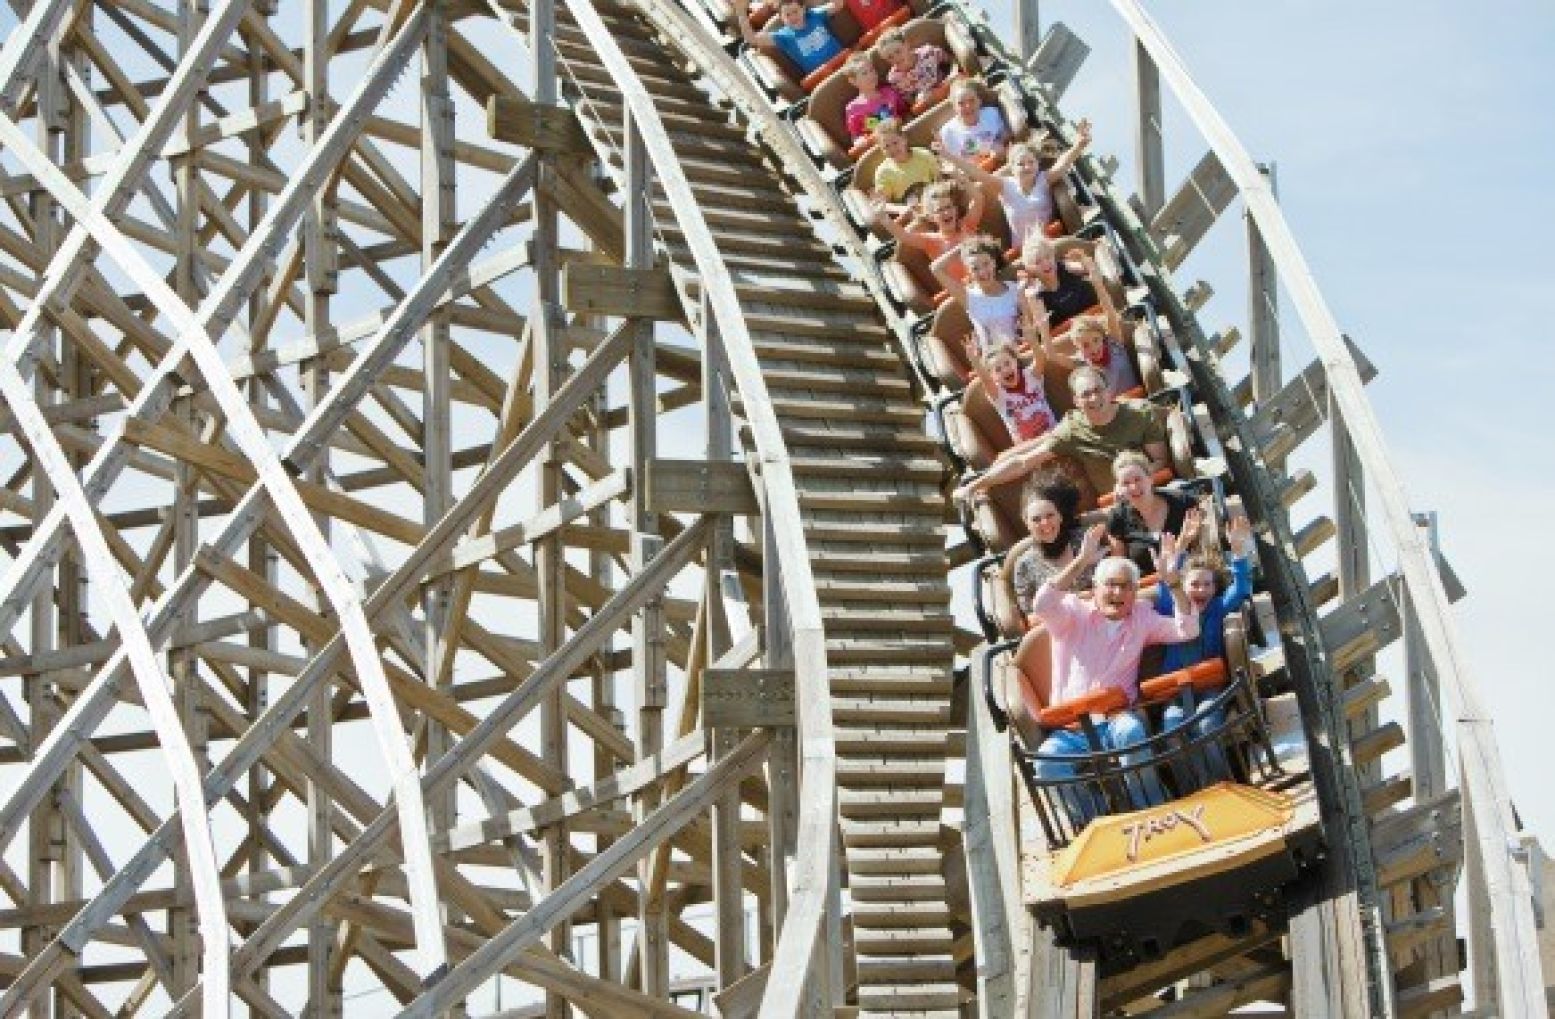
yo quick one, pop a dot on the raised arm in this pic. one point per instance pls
(1036, 321)
(1090, 551)
(947, 279)
(742, 20)
(1034, 328)
(1008, 468)
(974, 208)
(1103, 296)
(971, 169)
(1239, 532)
(893, 224)
(1168, 569)
(1064, 163)
(974, 357)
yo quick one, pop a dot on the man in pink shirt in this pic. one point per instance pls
(1097, 644)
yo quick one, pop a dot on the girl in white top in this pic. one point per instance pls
(992, 304)
(974, 130)
(1022, 187)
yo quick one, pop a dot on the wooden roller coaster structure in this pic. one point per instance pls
(447, 566)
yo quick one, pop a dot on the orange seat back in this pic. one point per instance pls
(810, 81)
(930, 98)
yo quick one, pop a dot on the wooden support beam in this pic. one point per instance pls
(552, 129)
(747, 698)
(1193, 209)
(1265, 984)
(1421, 851)
(1058, 59)
(699, 486)
(1363, 625)
(609, 290)
(1371, 745)
(1197, 295)
(1149, 134)
(742, 999)
(1436, 996)
(622, 783)
(1415, 930)
(1197, 956)
(1365, 695)
(1263, 309)
(1385, 793)
(494, 953)
(1311, 537)
(1287, 418)
(1062, 982)
(473, 551)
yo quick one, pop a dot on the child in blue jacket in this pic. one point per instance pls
(1199, 583)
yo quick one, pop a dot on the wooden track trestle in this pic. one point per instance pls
(870, 488)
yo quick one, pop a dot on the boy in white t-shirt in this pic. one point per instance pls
(974, 131)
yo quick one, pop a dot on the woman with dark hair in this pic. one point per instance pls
(1053, 515)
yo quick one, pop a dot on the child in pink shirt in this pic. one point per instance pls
(875, 102)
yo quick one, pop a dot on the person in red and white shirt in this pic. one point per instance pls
(1015, 390)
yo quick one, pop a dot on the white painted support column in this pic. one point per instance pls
(47, 835)
(1149, 141)
(1263, 304)
(262, 559)
(1428, 770)
(182, 664)
(783, 754)
(1028, 28)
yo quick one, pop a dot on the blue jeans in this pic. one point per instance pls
(1209, 761)
(1122, 730)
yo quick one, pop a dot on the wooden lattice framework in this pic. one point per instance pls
(335, 499)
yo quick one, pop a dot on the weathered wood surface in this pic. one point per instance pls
(337, 547)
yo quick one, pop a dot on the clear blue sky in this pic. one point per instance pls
(1415, 154)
